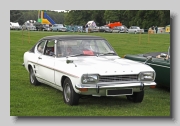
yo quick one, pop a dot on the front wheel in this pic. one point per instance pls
(69, 95)
(136, 97)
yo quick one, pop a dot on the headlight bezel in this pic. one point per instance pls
(147, 76)
(89, 78)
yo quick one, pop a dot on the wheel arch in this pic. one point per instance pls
(29, 67)
(63, 79)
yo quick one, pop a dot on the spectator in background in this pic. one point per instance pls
(152, 27)
(84, 29)
(156, 28)
(86, 26)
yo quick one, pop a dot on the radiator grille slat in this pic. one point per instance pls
(118, 78)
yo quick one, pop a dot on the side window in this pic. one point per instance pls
(60, 49)
(49, 50)
(40, 47)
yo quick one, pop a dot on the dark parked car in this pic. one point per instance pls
(46, 27)
(160, 62)
(105, 29)
(42, 27)
(39, 26)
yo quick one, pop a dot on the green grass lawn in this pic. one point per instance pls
(29, 100)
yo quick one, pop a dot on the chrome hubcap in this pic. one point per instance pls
(67, 92)
(32, 76)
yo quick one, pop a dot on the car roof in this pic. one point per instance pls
(68, 37)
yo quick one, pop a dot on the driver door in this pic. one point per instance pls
(46, 62)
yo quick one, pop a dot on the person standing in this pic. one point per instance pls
(156, 28)
(86, 26)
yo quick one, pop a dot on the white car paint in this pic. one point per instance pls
(50, 70)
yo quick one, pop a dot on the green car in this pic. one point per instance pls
(159, 61)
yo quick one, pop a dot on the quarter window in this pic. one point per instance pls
(40, 47)
(49, 50)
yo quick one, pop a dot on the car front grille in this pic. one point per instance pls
(116, 78)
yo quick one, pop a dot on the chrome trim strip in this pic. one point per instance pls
(124, 82)
(155, 64)
(110, 85)
(51, 84)
(55, 69)
(158, 65)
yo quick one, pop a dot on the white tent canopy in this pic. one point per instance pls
(91, 24)
(16, 24)
(31, 21)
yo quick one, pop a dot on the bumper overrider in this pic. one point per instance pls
(113, 88)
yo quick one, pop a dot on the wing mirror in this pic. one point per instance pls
(149, 58)
(169, 53)
(69, 61)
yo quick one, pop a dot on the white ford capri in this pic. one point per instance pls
(81, 65)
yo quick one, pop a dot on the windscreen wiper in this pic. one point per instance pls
(75, 55)
(109, 53)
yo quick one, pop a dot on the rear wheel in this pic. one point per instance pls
(136, 97)
(32, 78)
(69, 95)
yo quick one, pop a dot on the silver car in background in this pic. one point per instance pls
(58, 27)
(135, 30)
(120, 29)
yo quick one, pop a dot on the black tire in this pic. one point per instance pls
(69, 95)
(137, 97)
(32, 78)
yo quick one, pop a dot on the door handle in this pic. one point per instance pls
(39, 58)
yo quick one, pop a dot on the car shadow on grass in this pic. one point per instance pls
(88, 100)
(104, 100)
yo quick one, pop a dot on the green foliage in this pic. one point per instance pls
(142, 18)
(29, 100)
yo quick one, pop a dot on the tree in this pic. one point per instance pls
(142, 18)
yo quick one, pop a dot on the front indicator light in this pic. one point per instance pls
(153, 86)
(83, 89)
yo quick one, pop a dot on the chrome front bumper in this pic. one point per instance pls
(101, 88)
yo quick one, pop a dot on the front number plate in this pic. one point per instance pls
(119, 92)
